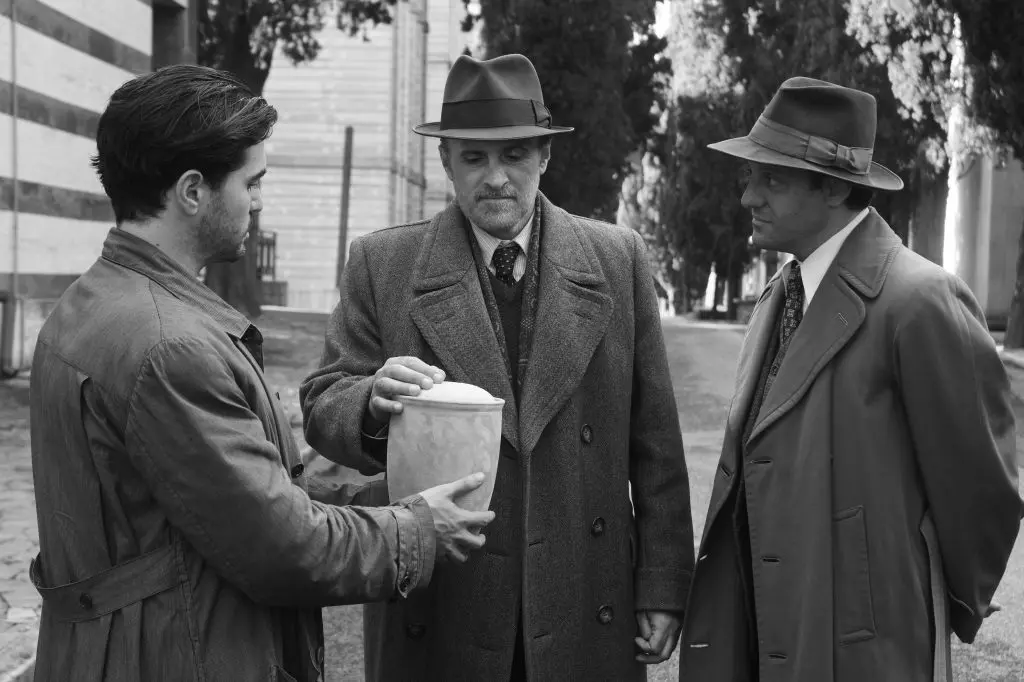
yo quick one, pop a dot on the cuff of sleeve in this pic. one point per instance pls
(375, 444)
(417, 544)
(661, 589)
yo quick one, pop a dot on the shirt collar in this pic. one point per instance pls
(137, 254)
(488, 242)
(814, 267)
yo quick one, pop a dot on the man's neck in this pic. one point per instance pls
(168, 239)
(837, 220)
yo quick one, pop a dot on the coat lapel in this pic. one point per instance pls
(760, 328)
(834, 315)
(449, 310)
(574, 308)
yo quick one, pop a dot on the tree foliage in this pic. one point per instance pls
(731, 57)
(602, 71)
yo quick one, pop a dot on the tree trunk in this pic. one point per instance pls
(680, 291)
(734, 278)
(927, 229)
(1015, 322)
(238, 283)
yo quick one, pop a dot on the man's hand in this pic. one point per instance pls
(659, 633)
(458, 530)
(399, 376)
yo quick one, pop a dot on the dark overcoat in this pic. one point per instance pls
(880, 475)
(596, 415)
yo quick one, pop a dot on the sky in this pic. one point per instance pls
(662, 12)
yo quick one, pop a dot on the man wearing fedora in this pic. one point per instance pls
(580, 579)
(866, 499)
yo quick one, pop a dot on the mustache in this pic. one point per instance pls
(495, 195)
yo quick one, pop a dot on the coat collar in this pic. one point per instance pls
(833, 317)
(137, 254)
(573, 311)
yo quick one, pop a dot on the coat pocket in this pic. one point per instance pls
(854, 614)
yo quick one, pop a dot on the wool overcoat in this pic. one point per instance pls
(880, 475)
(596, 416)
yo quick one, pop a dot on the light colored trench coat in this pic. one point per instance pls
(881, 481)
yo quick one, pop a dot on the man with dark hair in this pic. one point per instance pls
(866, 500)
(588, 560)
(178, 537)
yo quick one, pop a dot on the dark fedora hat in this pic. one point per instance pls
(820, 127)
(492, 99)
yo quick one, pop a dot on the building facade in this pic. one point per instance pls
(60, 60)
(380, 87)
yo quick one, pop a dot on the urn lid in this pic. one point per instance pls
(453, 393)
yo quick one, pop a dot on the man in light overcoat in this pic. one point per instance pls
(557, 315)
(866, 499)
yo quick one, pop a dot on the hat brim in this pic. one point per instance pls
(502, 133)
(878, 177)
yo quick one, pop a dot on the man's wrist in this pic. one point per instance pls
(374, 428)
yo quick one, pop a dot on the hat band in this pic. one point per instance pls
(817, 150)
(494, 113)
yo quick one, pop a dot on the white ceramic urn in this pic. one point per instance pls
(446, 432)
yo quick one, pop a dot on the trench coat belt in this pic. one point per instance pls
(942, 670)
(110, 590)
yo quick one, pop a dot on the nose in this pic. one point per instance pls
(750, 198)
(496, 177)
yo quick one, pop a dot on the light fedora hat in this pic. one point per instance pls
(492, 99)
(820, 127)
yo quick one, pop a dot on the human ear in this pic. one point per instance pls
(446, 159)
(545, 155)
(188, 192)
(836, 191)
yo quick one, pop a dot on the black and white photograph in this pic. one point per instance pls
(511, 340)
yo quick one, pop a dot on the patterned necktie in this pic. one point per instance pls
(793, 309)
(504, 260)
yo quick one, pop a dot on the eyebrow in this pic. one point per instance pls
(257, 176)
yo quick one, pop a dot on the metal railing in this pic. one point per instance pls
(266, 255)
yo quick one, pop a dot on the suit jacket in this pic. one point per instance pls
(881, 480)
(596, 415)
(178, 540)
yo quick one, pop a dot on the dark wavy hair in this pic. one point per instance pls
(162, 124)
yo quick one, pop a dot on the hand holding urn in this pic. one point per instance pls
(457, 530)
(398, 377)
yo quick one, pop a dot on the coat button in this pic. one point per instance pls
(85, 601)
(597, 527)
(415, 630)
(587, 434)
(605, 615)
(298, 469)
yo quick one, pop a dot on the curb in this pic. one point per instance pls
(23, 673)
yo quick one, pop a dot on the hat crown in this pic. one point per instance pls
(509, 76)
(826, 110)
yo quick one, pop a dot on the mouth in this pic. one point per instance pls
(759, 222)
